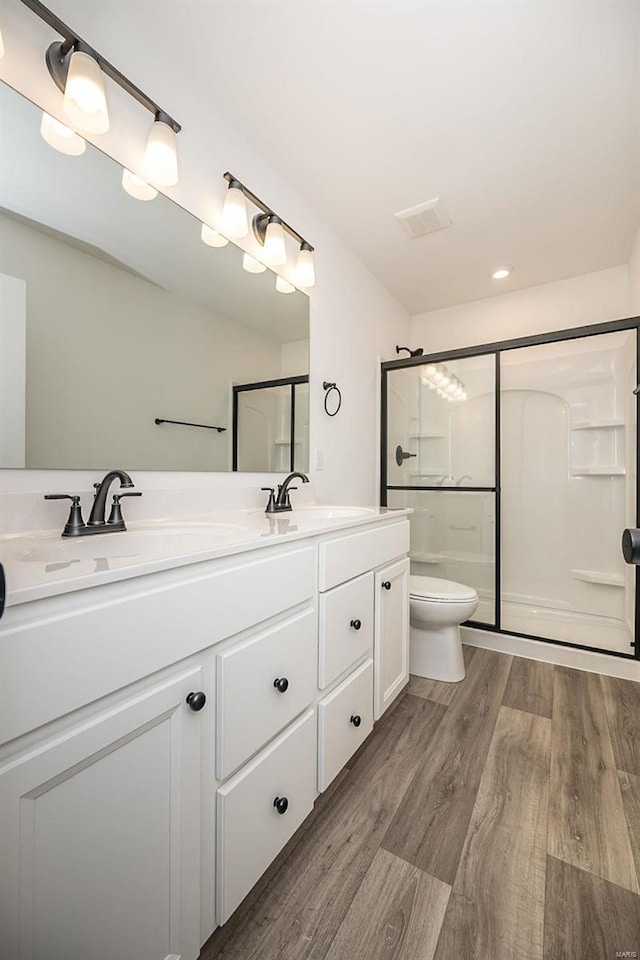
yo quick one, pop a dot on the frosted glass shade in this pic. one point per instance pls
(283, 286)
(161, 155)
(275, 249)
(251, 265)
(234, 214)
(305, 271)
(85, 102)
(137, 187)
(61, 137)
(211, 237)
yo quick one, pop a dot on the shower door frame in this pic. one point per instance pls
(496, 349)
(239, 388)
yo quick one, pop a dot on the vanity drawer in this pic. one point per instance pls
(338, 736)
(250, 708)
(346, 557)
(250, 830)
(346, 627)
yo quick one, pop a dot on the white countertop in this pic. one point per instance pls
(44, 564)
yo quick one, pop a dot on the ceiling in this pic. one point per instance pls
(522, 115)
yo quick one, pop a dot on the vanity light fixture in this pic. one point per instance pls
(211, 237)
(234, 211)
(268, 228)
(78, 70)
(283, 286)
(501, 273)
(251, 265)
(137, 187)
(61, 137)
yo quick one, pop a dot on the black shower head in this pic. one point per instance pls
(412, 353)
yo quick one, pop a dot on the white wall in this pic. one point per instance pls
(353, 317)
(592, 298)
(634, 277)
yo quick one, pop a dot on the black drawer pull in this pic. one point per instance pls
(386, 584)
(356, 624)
(196, 701)
(356, 720)
(281, 804)
(281, 684)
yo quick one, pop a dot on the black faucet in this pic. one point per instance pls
(75, 525)
(282, 503)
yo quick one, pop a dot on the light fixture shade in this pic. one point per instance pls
(1, 46)
(137, 187)
(234, 212)
(305, 271)
(283, 286)
(161, 154)
(275, 249)
(211, 237)
(61, 137)
(251, 265)
(85, 102)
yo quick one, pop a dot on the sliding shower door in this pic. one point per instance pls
(520, 462)
(568, 490)
(441, 461)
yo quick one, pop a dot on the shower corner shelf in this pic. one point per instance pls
(599, 576)
(597, 424)
(613, 471)
(428, 436)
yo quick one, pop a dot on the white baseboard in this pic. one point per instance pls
(552, 653)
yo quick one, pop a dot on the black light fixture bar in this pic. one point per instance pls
(71, 39)
(261, 205)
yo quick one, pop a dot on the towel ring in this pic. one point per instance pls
(330, 388)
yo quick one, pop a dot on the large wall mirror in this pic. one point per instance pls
(114, 315)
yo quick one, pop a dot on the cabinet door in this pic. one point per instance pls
(99, 835)
(391, 647)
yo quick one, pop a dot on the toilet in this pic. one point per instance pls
(438, 607)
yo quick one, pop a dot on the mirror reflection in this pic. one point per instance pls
(114, 314)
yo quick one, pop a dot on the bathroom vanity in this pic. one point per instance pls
(172, 701)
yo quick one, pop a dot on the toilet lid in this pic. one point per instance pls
(431, 588)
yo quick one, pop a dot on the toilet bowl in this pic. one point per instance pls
(438, 607)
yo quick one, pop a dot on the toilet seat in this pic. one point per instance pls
(434, 590)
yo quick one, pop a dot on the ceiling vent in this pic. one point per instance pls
(425, 218)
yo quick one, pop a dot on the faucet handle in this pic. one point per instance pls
(271, 504)
(117, 497)
(115, 517)
(75, 499)
(75, 523)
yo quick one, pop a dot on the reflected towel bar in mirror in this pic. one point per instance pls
(185, 423)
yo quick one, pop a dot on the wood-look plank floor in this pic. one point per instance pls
(497, 818)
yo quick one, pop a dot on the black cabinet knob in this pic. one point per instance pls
(196, 701)
(281, 804)
(356, 624)
(356, 720)
(386, 584)
(281, 684)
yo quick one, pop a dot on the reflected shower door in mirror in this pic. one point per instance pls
(116, 314)
(271, 426)
(441, 461)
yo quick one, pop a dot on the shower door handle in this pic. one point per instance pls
(401, 456)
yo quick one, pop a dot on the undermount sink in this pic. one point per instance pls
(158, 540)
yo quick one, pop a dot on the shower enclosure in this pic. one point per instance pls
(520, 461)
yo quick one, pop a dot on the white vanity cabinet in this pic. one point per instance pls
(131, 822)
(100, 833)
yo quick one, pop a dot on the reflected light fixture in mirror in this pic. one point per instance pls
(234, 212)
(211, 237)
(305, 271)
(1, 46)
(283, 286)
(161, 153)
(85, 102)
(137, 187)
(61, 137)
(501, 273)
(251, 265)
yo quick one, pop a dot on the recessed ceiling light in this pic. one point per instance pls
(501, 273)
